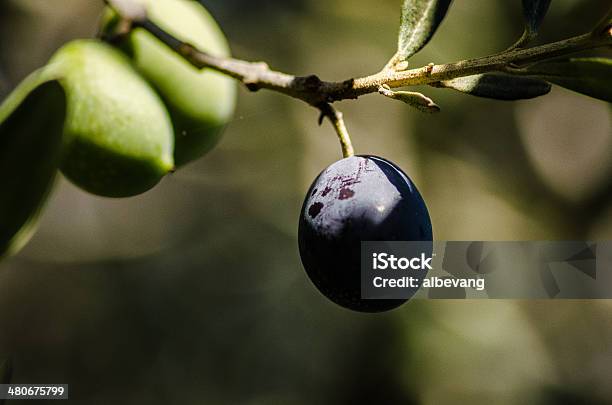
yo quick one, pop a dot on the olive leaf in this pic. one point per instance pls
(31, 128)
(420, 20)
(590, 76)
(417, 100)
(498, 86)
(534, 12)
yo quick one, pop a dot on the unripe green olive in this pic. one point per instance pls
(118, 138)
(200, 102)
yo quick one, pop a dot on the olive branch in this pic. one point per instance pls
(518, 72)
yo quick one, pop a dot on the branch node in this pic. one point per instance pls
(251, 85)
(310, 83)
(261, 65)
(401, 66)
(348, 84)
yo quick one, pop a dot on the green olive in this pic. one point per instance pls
(118, 139)
(200, 102)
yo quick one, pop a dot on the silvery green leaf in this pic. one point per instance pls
(420, 19)
(499, 86)
(417, 100)
(534, 12)
(590, 76)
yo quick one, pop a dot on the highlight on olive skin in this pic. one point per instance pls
(360, 198)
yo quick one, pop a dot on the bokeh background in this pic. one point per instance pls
(193, 293)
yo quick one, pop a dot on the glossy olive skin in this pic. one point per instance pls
(118, 139)
(360, 198)
(200, 102)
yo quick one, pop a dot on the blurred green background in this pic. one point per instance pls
(193, 293)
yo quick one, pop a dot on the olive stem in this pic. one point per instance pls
(320, 94)
(337, 121)
(314, 91)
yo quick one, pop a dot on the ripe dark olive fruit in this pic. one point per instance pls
(360, 198)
